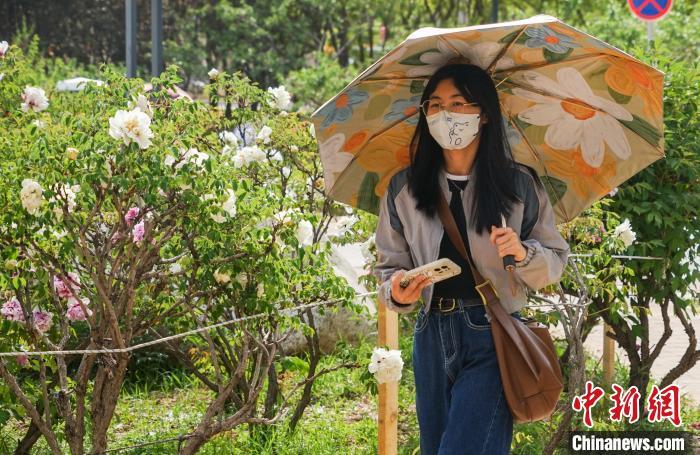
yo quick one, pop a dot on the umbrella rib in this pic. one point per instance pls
(509, 71)
(539, 159)
(492, 66)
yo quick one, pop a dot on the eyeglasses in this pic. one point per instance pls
(430, 107)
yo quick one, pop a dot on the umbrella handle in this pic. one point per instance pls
(508, 261)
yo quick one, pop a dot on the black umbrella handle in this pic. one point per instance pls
(508, 261)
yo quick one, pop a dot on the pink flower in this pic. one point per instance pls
(12, 310)
(131, 215)
(42, 320)
(63, 289)
(139, 232)
(75, 311)
(22, 360)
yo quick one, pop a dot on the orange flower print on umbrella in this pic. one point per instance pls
(584, 179)
(631, 79)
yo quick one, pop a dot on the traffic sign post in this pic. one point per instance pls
(650, 11)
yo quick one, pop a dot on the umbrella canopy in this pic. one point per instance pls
(585, 115)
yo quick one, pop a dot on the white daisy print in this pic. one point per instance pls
(575, 116)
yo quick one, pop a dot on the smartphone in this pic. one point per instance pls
(439, 270)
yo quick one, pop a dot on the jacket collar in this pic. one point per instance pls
(466, 194)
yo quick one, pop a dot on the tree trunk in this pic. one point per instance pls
(108, 383)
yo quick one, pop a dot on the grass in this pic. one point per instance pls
(166, 403)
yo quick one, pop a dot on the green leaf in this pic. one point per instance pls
(367, 199)
(644, 129)
(522, 39)
(556, 189)
(619, 97)
(418, 85)
(553, 57)
(415, 58)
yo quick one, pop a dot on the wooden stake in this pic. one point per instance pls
(608, 355)
(388, 393)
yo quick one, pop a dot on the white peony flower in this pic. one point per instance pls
(282, 98)
(228, 138)
(386, 365)
(229, 205)
(247, 155)
(34, 98)
(276, 156)
(242, 279)
(625, 232)
(68, 194)
(366, 249)
(305, 233)
(345, 223)
(4, 46)
(77, 84)
(31, 196)
(142, 105)
(239, 161)
(193, 156)
(72, 153)
(221, 277)
(213, 73)
(131, 126)
(264, 134)
(286, 171)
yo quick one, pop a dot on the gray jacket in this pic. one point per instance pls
(406, 238)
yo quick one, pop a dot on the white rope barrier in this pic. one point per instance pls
(176, 336)
(251, 317)
(618, 256)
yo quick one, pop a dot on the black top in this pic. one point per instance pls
(462, 285)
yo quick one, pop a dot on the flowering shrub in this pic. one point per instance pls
(125, 215)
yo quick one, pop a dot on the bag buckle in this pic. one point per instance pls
(454, 304)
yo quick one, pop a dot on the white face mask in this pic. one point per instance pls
(453, 131)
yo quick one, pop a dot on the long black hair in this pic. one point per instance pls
(494, 168)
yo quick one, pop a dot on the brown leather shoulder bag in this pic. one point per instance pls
(527, 359)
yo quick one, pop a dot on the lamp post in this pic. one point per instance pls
(156, 37)
(131, 19)
(131, 49)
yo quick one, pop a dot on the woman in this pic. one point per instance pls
(459, 148)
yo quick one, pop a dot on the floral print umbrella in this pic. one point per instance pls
(585, 115)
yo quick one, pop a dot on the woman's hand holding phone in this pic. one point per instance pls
(410, 293)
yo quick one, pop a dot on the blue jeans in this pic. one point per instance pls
(459, 397)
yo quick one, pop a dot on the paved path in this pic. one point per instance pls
(689, 383)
